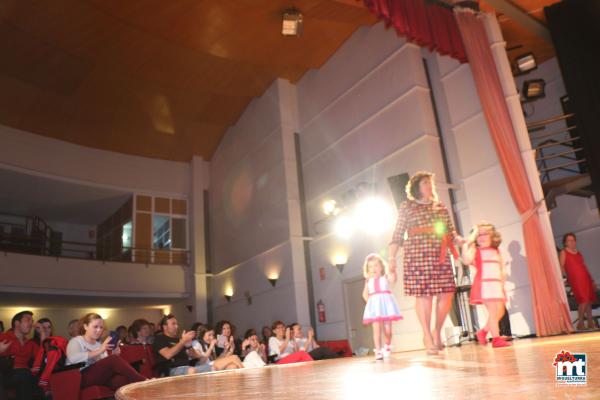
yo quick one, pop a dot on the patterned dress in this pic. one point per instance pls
(425, 274)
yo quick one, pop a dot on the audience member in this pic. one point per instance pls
(225, 339)
(73, 328)
(139, 332)
(15, 345)
(309, 344)
(281, 348)
(253, 352)
(173, 352)
(43, 329)
(206, 347)
(100, 368)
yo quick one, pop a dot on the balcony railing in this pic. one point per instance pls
(31, 235)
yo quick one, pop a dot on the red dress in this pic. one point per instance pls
(579, 278)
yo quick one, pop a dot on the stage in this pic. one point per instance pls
(522, 371)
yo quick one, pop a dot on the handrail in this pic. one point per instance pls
(553, 133)
(561, 154)
(550, 143)
(550, 120)
(561, 166)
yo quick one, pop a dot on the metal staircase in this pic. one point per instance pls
(560, 160)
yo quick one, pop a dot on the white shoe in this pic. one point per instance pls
(378, 355)
(387, 351)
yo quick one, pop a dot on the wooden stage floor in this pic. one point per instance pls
(523, 371)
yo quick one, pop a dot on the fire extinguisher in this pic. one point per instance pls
(321, 310)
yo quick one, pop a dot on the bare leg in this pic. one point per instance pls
(444, 303)
(423, 307)
(591, 324)
(492, 308)
(387, 332)
(377, 335)
(580, 316)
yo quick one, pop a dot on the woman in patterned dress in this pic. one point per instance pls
(425, 232)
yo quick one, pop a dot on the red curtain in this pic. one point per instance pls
(428, 25)
(550, 308)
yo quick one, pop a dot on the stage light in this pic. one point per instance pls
(293, 22)
(373, 215)
(526, 63)
(330, 207)
(343, 227)
(534, 89)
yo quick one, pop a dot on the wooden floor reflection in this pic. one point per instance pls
(524, 371)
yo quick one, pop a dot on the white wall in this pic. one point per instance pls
(25, 273)
(572, 213)
(45, 156)
(254, 216)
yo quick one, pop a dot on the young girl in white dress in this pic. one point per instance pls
(381, 308)
(481, 251)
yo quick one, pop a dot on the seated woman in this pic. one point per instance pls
(100, 368)
(309, 344)
(43, 330)
(282, 348)
(139, 331)
(226, 343)
(205, 346)
(253, 352)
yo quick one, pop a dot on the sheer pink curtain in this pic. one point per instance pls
(549, 302)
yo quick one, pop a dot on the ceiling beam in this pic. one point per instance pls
(522, 18)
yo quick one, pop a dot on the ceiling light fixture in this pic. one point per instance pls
(292, 22)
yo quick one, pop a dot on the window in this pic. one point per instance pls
(161, 232)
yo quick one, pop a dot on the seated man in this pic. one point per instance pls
(309, 344)
(173, 353)
(14, 343)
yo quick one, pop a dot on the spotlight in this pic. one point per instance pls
(526, 63)
(292, 22)
(534, 89)
(228, 298)
(330, 207)
(374, 215)
(344, 227)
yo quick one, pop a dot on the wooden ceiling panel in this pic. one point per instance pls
(165, 79)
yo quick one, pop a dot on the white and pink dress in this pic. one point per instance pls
(487, 284)
(381, 305)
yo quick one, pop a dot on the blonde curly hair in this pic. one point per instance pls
(412, 187)
(484, 225)
(371, 257)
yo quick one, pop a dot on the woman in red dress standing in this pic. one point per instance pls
(578, 276)
(427, 269)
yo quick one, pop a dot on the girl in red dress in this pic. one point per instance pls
(578, 276)
(481, 251)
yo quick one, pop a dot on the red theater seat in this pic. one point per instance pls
(338, 346)
(66, 385)
(141, 357)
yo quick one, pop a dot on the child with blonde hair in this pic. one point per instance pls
(481, 251)
(381, 308)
